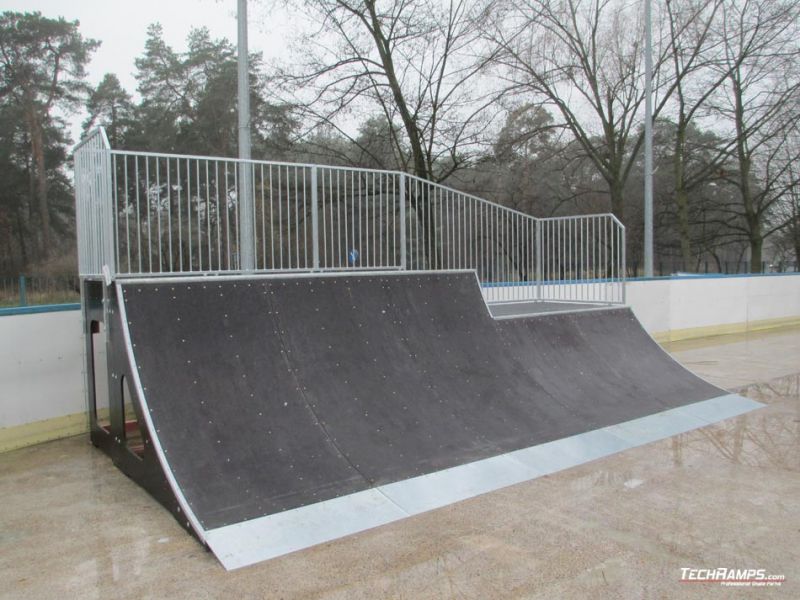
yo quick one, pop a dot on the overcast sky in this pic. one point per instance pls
(121, 27)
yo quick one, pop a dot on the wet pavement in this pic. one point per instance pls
(728, 495)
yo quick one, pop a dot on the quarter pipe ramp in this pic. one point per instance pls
(281, 412)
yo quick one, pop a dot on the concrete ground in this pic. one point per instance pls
(728, 495)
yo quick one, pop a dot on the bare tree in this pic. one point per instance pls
(584, 58)
(695, 53)
(759, 100)
(415, 62)
(788, 210)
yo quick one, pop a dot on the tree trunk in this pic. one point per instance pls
(756, 247)
(424, 211)
(616, 189)
(23, 249)
(682, 200)
(37, 150)
(682, 197)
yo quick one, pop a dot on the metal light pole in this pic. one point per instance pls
(245, 188)
(648, 139)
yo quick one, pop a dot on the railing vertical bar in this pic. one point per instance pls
(403, 225)
(604, 248)
(559, 249)
(263, 221)
(178, 189)
(305, 225)
(115, 209)
(447, 254)
(227, 198)
(352, 243)
(128, 266)
(189, 212)
(582, 224)
(613, 258)
(199, 216)
(595, 264)
(315, 218)
(297, 218)
(381, 260)
(482, 238)
(288, 220)
(149, 224)
(430, 225)
(337, 251)
(208, 220)
(360, 224)
(158, 213)
(491, 251)
(503, 251)
(369, 203)
(329, 262)
(218, 216)
(324, 257)
(623, 264)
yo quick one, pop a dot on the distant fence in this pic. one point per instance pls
(675, 266)
(28, 290)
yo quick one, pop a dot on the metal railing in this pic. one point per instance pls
(143, 213)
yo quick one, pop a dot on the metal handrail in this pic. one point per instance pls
(151, 213)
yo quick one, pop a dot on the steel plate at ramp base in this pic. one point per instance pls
(272, 536)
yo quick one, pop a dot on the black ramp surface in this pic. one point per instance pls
(273, 393)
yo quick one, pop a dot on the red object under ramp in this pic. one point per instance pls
(278, 412)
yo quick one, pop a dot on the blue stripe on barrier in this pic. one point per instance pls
(690, 276)
(42, 308)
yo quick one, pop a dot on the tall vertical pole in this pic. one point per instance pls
(648, 140)
(245, 191)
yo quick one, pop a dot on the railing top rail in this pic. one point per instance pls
(274, 163)
(471, 196)
(97, 131)
(227, 159)
(586, 216)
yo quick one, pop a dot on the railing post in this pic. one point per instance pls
(538, 259)
(109, 242)
(624, 273)
(247, 225)
(403, 221)
(23, 294)
(314, 218)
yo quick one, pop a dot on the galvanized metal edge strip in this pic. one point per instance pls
(260, 539)
(217, 276)
(162, 458)
(557, 312)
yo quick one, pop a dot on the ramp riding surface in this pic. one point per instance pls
(293, 410)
